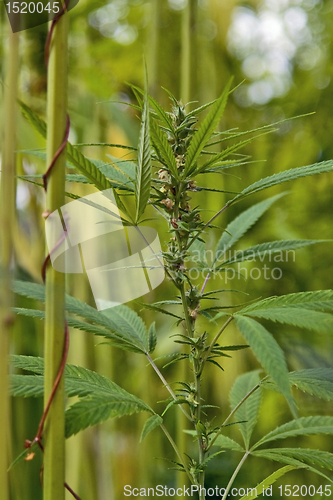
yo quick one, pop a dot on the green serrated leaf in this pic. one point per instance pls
(303, 426)
(34, 119)
(265, 249)
(152, 338)
(28, 363)
(316, 457)
(79, 381)
(285, 176)
(126, 329)
(123, 320)
(241, 224)
(152, 422)
(248, 412)
(85, 166)
(97, 408)
(297, 309)
(259, 489)
(205, 131)
(161, 114)
(288, 459)
(27, 386)
(321, 300)
(218, 159)
(315, 381)
(163, 148)
(115, 339)
(143, 172)
(268, 353)
(228, 443)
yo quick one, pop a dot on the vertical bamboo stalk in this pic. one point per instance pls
(54, 457)
(153, 32)
(7, 217)
(185, 60)
(188, 48)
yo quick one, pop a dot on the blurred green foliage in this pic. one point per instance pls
(287, 63)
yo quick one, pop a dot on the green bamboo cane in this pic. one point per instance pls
(186, 91)
(153, 46)
(7, 217)
(188, 48)
(54, 456)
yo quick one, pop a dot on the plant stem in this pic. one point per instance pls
(200, 441)
(217, 336)
(54, 456)
(188, 322)
(231, 414)
(205, 283)
(185, 63)
(174, 446)
(167, 385)
(7, 218)
(233, 477)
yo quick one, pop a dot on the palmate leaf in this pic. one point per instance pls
(228, 443)
(315, 457)
(27, 386)
(143, 171)
(127, 322)
(290, 458)
(233, 133)
(117, 173)
(79, 381)
(285, 176)
(269, 355)
(241, 224)
(97, 408)
(259, 489)
(126, 329)
(116, 339)
(32, 364)
(77, 159)
(315, 381)
(265, 249)
(320, 300)
(87, 168)
(151, 424)
(102, 398)
(205, 131)
(163, 149)
(298, 309)
(217, 159)
(303, 426)
(161, 114)
(197, 111)
(82, 163)
(248, 412)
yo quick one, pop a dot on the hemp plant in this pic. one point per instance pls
(175, 147)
